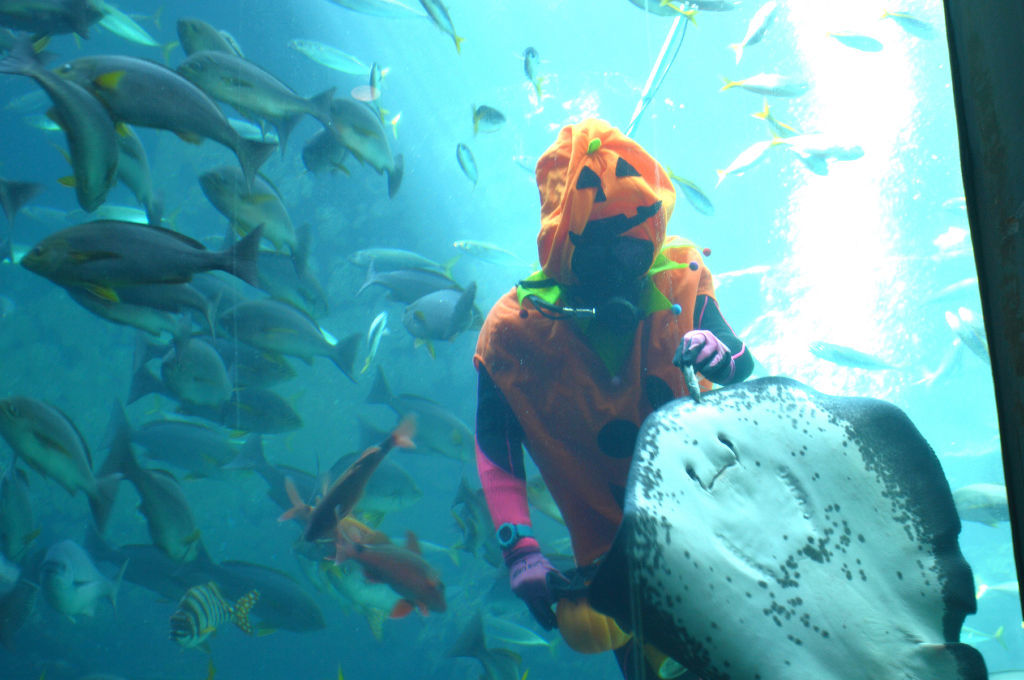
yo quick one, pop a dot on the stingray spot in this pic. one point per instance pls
(617, 438)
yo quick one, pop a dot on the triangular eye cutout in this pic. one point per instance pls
(589, 180)
(624, 169)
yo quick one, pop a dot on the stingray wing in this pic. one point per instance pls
(774, 532)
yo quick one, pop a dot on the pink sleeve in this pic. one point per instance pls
(505, 494)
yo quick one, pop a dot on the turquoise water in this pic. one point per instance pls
(854, 257)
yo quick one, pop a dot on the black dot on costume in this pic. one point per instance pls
(617, 438)
(657, 391)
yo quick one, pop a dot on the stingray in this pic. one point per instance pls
(772, 532)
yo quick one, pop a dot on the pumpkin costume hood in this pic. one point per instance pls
(598, 185)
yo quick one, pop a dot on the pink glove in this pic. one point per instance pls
(528, 575)
(706, 353)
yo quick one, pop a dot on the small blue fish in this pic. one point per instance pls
(487, 119)
(864, 43)
(697, 198)
(846, 356)
(775, 126)
(970, 331)
(439, 15)
(530, 61)
(769, 85)
(911, 24)
(466, 162)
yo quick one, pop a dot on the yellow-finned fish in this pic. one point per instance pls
(203, 609)
(487, 119)
(438, 14)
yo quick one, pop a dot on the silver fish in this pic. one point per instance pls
(466, 161)
(251, 367)
(487, 119)
(911, 24)
(408, 285)
(440, 315)
(251, 409)
(194, 372)
(133, 171)
(50, 443)
(197, 36)
(756, 29)
(277, 327)
(163, 503)
(324, 153)
(280, 278)
(984, 503)
(331, 57)
(469, 510)
(249, 205)
(847, 356)
(199, 449)
(71, 582)
(123, 26)
(530, 60)
(105, 254)
(694, 196)
(256, 93)
(498, 664)
(390, 259)
(140, 92)
(390, 9)
(378, 329)
(359, 128)
(437, 428)
(489, 252)
(438, 14)
(49, 17)
(143, 317)
(87, 126)
(818, 150)
(347, 582)
(753, 155)
(173, 298)
(857, 41)
(970, 331)
(770, 85)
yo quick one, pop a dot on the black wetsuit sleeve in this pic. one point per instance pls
(498, 432)
(707, 316)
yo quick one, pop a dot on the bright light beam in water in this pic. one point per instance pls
(842, 272)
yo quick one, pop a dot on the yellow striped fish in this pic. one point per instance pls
(202, 609)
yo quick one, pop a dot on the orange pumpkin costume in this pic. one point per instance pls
(572, 390)
(580, 421)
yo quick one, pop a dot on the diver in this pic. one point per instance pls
(574, 358)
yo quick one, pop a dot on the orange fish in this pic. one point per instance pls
(344, 494)
(300, 509)
(403, 569)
